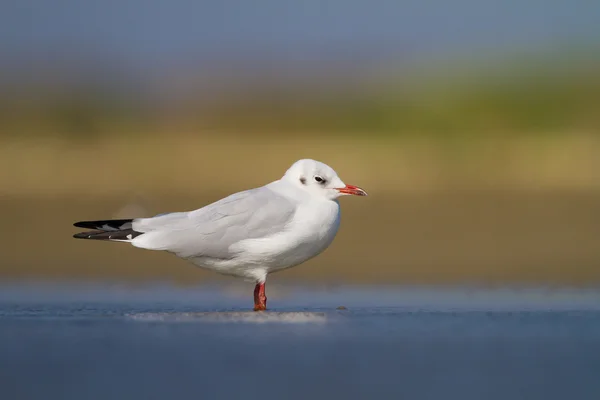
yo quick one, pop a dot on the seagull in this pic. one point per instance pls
(248, 234)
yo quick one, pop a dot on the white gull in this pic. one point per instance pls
(249, 234)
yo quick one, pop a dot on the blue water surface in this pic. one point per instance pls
(111, 342)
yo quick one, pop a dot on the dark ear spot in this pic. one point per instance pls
(303, 180)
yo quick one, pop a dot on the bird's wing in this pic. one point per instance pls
(211, 231)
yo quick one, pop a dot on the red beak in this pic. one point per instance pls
(355, 190)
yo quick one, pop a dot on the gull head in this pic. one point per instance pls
(319, 179)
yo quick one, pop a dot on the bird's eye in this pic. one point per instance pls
(320, 180)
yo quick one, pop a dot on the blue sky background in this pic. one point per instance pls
(151, 37)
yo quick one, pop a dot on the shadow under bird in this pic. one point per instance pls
(249, 234)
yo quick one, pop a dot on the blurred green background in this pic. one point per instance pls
(473, 125)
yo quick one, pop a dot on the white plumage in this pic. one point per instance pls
(251, 233)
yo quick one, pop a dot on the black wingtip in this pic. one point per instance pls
(87, 224)
(124, 235)
(83, 235)
(99, 224)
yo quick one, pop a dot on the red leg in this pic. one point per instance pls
(260, 298)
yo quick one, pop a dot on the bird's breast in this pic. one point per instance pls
(311, 231)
